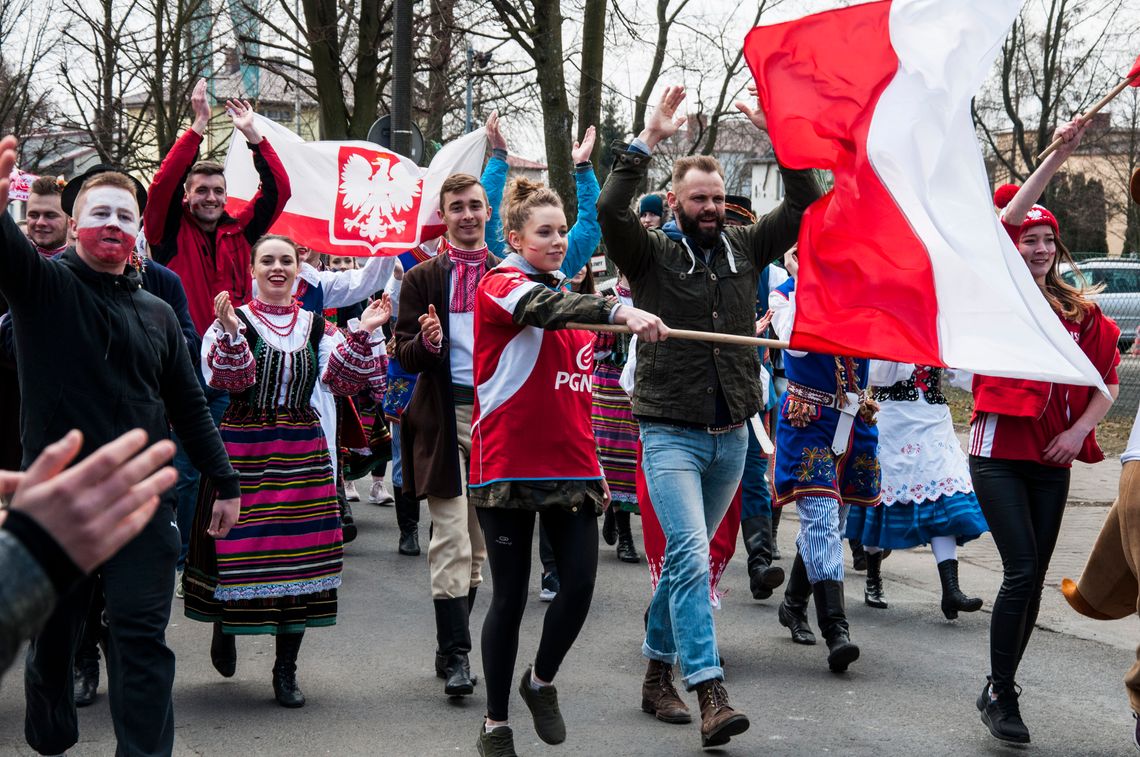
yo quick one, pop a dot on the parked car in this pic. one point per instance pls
(1120, 299)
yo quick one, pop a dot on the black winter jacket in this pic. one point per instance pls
(97, 353)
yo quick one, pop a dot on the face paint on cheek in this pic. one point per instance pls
(101, 231)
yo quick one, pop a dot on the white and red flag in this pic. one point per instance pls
(905, 258)
(353, 198)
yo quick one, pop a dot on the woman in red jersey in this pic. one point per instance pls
(533, 451)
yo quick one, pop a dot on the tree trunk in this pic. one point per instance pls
(442, 23)
(365, 94)
(556, 115)
(590, 84)
(324, 50)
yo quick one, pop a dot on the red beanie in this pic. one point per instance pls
(1038, 215)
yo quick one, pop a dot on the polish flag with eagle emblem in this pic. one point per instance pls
(353, 198)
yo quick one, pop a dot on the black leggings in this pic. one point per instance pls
(509, 534)
(1023, 503)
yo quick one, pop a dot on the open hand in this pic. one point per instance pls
(224, 312)
(494, 135)
(430, 328)
(664, 122)
(200, 106)
(376, 314)
(763, 322)
(95, 507)
(754, 114)
(241, 112)
(583, 150)
(7, 166)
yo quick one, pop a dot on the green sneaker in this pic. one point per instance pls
(543, 704)
(500, 742)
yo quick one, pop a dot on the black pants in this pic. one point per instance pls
(1023, 503)
(509, 534)
(138, 584)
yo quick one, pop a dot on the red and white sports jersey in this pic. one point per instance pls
(533, 392)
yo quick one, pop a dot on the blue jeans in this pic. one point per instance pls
(397, 459)
(186, 490)
(755, 496)
(692, 476)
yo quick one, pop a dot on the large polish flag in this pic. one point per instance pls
(353, 198)
(905, 258)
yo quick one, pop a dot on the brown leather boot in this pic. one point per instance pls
(659, 698)
(719, 722)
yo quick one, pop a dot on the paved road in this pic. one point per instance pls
(371, 690)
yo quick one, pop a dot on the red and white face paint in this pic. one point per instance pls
(108, 224)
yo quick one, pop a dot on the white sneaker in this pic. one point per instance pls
(350, 491)
(178, 591)
(379, 494)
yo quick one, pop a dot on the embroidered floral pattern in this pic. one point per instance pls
(816, 463)
(864, 473)
(927, 490)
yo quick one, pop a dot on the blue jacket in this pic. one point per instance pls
(585, 234)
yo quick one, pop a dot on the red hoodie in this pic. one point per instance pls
(1017, 418)
(210, 263)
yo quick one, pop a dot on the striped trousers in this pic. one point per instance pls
(823, 521)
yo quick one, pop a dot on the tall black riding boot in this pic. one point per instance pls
(832, 619)
(793, 610)
(285, 686)
(776, 511)
(408, 520)
(953, 599)
(453, 634)
(763, 577)
(626, 551)
(223, 652)
(873, 595)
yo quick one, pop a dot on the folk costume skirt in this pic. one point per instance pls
(616, 433)
(279, 568)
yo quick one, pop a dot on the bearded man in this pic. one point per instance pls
(692, 399)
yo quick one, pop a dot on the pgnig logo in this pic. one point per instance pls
(583, 379)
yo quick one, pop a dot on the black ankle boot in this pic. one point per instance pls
(86, 681)
(953, 600)
(453, 636)
(347, 522)
(873, 595)
(626, 551)
(223, 652)
(408, 520)
(832, 619)
(763, 577)
(793, 610)
(410, 542)
(1003, 714)
(285, 686)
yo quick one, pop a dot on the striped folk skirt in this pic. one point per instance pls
(278, 569)
(616, 434)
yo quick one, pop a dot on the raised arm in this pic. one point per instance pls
(163, 212)
(23, 272)
(1031, 191)
(627, 242)
(275, 190)
(585, 234)
(494, 181)
(777, 230)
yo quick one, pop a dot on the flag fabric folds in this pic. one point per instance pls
(905, 258)
(353, 198)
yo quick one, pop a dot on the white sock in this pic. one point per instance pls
(944, 548)
(537, 683)
(489, 726)
(872, 550)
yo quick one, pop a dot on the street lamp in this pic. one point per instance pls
(474, 60)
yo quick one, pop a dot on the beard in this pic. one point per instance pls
(691, 227)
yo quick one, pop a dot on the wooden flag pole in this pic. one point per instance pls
(699, 336)
(1091, 112)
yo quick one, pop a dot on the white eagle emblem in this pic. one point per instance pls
(376, 192)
